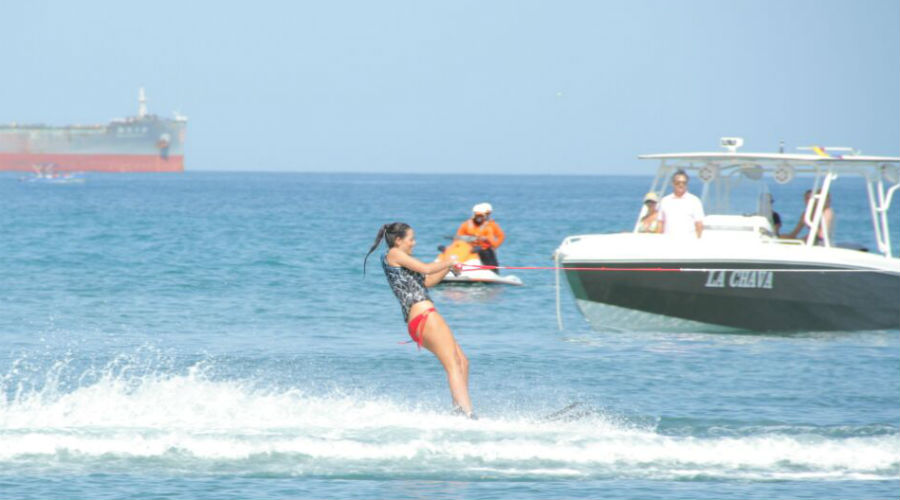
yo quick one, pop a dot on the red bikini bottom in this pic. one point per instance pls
(417, 326)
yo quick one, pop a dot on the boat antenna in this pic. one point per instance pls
(142, 103)
(731, 143)
(781, 146)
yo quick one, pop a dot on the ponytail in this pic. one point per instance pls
(374, 245)
(390, 233)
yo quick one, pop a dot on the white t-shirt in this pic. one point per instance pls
(681, 214)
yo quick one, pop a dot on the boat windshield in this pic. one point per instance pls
(737, 191)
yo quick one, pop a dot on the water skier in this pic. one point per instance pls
(409, 277)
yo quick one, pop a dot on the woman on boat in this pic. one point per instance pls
(826, 225)
(409, 277)
(650, 220)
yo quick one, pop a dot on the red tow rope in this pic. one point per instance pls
(465, 267)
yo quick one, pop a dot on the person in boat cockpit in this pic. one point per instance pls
(774, 217)
(650, 220)
(487, 233)
(824, 227)
(680, 212)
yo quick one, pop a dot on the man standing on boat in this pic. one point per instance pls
(486, 233)
(680, 212)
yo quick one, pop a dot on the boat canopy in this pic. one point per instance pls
(769, 157)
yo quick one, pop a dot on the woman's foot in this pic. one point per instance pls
(457, 410)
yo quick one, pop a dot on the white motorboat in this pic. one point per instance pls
(739, 276)
(48, 173)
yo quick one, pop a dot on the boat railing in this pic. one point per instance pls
(784, 241)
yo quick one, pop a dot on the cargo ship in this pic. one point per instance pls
(142, 143)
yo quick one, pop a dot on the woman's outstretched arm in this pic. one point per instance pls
(434, 271)
(793, 234)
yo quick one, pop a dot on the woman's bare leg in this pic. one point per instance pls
(439, 340)
(465, 363)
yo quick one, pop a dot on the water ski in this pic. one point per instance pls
(573, 411)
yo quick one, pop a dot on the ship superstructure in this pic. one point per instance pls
(142, 143)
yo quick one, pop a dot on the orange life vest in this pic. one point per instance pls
(489, 232)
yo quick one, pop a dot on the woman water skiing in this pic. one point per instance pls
(408, 278)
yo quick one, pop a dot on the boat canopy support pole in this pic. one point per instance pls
(883, 208)
(876, 197)
(879, 204)
(817, 200)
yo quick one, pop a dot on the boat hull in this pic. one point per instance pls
(482, 277)
(94, 162)
(747, 296)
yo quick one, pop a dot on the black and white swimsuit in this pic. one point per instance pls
(408, 286)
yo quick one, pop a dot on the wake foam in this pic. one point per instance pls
(190, 421)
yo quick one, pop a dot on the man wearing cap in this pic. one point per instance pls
(487, 233)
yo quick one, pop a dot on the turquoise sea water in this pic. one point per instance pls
(211, 335)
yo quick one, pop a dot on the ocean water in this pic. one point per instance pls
(211, 335)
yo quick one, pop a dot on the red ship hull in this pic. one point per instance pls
(93, 162)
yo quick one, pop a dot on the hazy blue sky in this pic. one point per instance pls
(463, 86)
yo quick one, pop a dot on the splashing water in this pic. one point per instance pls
(123, 417)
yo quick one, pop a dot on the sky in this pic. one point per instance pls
(468, 87)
